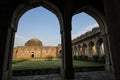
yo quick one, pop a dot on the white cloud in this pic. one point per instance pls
(19, 40)
(88, 28)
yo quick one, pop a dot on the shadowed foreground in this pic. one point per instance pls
(97, 75)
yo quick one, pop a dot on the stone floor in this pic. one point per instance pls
(96, 75)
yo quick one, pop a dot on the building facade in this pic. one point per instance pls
(34, 49)
(89, 43)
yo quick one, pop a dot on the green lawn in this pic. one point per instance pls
(23, 64)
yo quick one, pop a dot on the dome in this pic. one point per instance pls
(33, 42)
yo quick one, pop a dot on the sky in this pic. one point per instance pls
(42, 24)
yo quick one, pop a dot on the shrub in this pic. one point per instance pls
(80, 57)
(49, 58)
(85, 58)
(95, 58)
(102, 59)
(75, 57)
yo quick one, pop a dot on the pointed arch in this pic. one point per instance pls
(29, 4)
(97, 15)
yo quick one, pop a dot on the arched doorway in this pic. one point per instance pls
(100, 47)
(84, 50)
(92, 50)
(32, 56)
(25, 6)
(99, 17)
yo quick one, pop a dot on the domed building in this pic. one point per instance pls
(33, 42)
(33, 48)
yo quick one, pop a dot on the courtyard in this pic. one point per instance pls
(44, 66)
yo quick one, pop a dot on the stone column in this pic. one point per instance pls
(5, 37)
(67, 71)
(112, 15)
(11, 53)
(72, 52)
(78, 51)
(83, 51)
(75, 51)
(97, 50)
(5, 53)
(107, 53)
(90, 52)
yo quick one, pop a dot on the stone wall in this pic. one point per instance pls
(35, 51)
(88, 44)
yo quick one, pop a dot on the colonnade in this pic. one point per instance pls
(106, 12)
(89, 45)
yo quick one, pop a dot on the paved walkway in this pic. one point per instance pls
(97, 75)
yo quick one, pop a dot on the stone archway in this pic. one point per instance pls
(92, 50)
(60, 53)
(106, 7)
(32, 56)
(75, 51)
(100, 47)
(67, 68)
(84, 49)
(79, 50)
(100, 18)
(27, 5)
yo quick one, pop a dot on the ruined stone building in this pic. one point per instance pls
(89, 43)
(105, 12)
(34, 49)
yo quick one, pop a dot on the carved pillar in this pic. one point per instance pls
(112, 15)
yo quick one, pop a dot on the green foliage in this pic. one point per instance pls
(85, 58)
(102, 59)
(95, 58)
(18, 60)
(80, 57)
(49, 58)
(54, 64)
(38, 66)
(75, 57)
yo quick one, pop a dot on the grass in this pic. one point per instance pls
(79, 64)
(30, 64)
